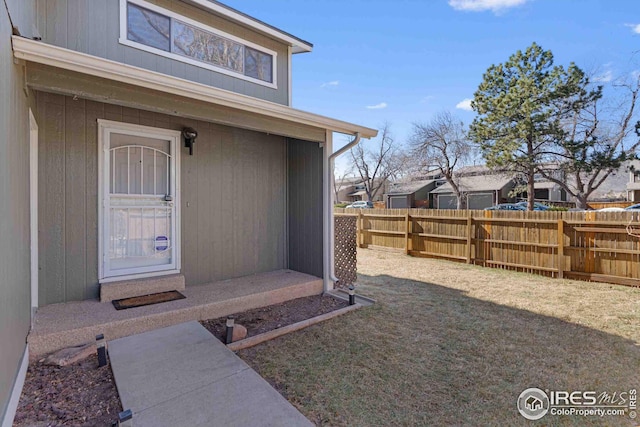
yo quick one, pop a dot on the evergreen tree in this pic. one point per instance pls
(521, 105)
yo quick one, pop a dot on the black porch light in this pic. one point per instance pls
(189, 135)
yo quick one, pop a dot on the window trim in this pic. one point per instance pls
(142, 3)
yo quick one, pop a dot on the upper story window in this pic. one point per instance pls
(157, 30)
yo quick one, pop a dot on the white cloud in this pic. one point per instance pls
(427, 99)
(605, 77)
(495, 6)
(604, 74)
(465, 105)
(634, 27)
(331, 83)
(377, 106)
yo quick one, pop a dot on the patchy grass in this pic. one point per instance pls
(451, 344)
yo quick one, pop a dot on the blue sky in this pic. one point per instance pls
(403, 61)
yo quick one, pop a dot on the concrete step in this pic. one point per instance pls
(139, 287)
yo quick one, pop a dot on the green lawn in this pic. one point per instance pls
(451, 344)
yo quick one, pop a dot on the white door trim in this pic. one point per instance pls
(105, 128)
(33, 211)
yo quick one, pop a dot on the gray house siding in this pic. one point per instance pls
(93, 27)
(15, 303)
(423, 193)
(305, 207)
(233, 197)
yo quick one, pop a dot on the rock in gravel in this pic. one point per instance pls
(239, 332)
(70, 355)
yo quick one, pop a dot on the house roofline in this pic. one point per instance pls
(298, 45)
(66, 59)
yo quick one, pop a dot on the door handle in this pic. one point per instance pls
(168, 198)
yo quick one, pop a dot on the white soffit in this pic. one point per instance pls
(42, 53)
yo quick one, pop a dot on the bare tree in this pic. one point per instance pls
(378, 164)
(442, 143)
(598, 139)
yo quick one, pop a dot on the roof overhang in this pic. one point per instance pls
(42, 53)
(297, 45)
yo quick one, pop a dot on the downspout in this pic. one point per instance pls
(349, 146)
(329, 252)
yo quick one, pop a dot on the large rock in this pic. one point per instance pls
(239, 332)
(70, 355)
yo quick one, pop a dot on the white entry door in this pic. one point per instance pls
(140, 206)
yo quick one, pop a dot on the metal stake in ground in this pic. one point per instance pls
(125, 418)
(230, 323)
(102, 351)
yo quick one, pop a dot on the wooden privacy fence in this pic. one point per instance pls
(598, 246)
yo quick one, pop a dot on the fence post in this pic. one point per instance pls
(590, 258)
(360, 231)
(407, 232)
(560, 248)
(487, 245)
(469, 230)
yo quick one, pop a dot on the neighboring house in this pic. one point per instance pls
(480, 188)
(102, 176)
(615, 188)
(546, 190)
(358, 192)
(633, 182)
(403, 195)
(350, 189)
(354, 189)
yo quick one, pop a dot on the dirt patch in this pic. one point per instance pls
(80, 394)
(266, 319)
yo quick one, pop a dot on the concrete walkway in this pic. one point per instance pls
(182, 376)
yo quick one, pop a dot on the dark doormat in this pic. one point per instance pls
(121, 304)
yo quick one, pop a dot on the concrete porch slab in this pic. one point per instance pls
(58, 326)
(182, 376)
